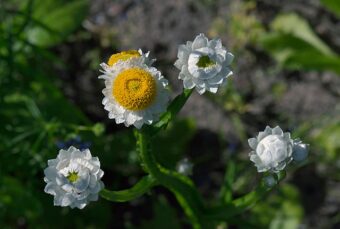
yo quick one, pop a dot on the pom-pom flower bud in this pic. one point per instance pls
(273, 150)
(73, 178)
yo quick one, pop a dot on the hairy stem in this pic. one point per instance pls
(134, 192)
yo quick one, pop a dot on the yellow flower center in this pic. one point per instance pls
(204, 62)
(72, 176)
(125, 55)
(134, 89)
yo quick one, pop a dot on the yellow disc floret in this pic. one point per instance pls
(125, 55)
(134, 89)
(72, 176)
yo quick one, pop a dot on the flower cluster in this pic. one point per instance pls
(136, 93)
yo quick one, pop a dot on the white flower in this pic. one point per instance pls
(135, 93)
(204, 64)
(272, 150)
(184, 167)
(73, 178)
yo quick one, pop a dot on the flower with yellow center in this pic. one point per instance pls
(135, 93)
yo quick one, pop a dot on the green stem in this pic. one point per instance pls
(181, 186)
(134, 192)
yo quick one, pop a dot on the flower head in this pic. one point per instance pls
(135, 93)
(204, 64)
(73, 178)
(273, 150)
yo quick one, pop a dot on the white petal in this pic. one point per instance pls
(200, 42)
(183, 53)
(178, 64)
(200, 90)
(82, 183)
(277, 130)
(215, 44)
(138, 124)
(229, 58)
(58, 200)
(261, 135)
(280, 166)
(286, 136)
(63, 154)
(52, 162)
(50, 173)
(218, 79)
(252, 143)
(76, 154)
(184, 72)
(213, 89)
(188, 83)
(51, 188)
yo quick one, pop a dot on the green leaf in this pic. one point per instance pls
(56, 21)
(332, 5)
(227, 187)
(295, 46)
(299, 28)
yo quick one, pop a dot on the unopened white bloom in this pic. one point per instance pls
(272, 150)
(73, 178)
(204, 64)
(300, 151)
(135, 93)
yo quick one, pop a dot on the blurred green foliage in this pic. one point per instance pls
(295, 45)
